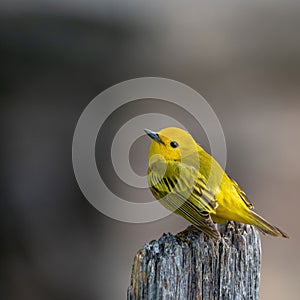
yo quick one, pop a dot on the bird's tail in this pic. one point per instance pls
(264, 226)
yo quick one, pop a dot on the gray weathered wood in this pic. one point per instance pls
(192, 266)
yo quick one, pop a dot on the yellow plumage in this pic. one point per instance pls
(191, 183)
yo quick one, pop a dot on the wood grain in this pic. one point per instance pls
(192, 266)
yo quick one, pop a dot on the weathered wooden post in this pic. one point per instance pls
(192, 266)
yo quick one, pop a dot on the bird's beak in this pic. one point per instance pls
(154, 135)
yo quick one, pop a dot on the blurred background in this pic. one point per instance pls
(56, 56)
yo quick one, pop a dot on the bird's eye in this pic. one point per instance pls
(174, 144)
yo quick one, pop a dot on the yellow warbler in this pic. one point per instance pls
(191, 183)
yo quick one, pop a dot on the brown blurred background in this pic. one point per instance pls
(56, 56)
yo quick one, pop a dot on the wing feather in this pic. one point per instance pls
(241, 193)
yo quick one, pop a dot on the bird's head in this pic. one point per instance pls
(172, 144)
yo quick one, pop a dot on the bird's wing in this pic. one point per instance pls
(181, 179)
(183, 189)
(191, 185)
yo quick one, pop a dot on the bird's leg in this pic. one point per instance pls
(183, 234)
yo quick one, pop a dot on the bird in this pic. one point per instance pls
(188, 181)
